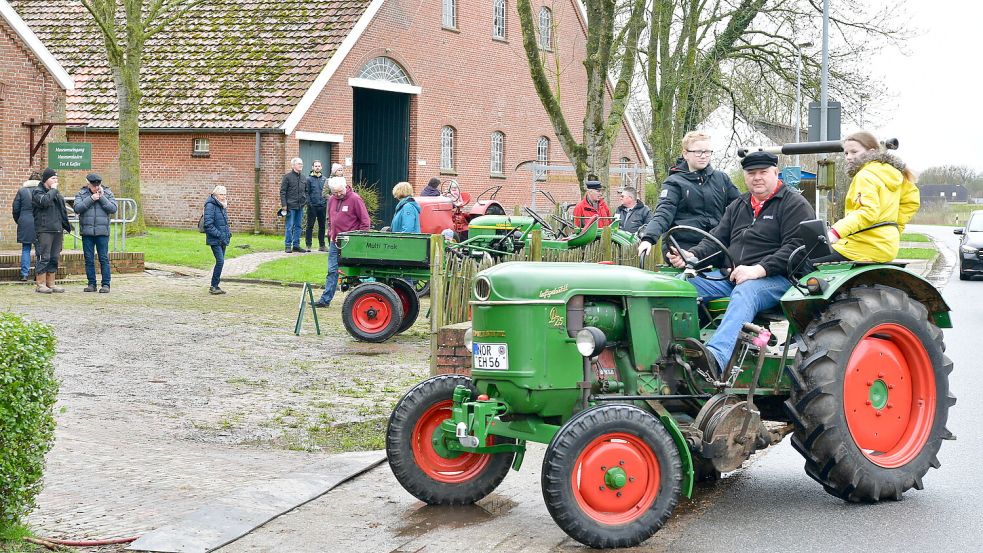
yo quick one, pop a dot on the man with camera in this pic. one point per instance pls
(94, 205)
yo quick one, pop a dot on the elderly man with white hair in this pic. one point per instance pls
(293, 198)
(346, 212)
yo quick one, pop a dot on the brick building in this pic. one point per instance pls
(393, 89)
(32, 87)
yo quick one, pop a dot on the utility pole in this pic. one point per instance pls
(798, 97)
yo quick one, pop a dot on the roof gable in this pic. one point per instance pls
(226, 64)
(35, 45)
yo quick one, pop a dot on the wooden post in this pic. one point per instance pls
(517, 210)
(437, 285)
(606, 244)
(536, 246)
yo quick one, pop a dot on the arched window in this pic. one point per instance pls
(384, 69)
(447, 148)
(497, 152)
(450, 14)
(627, 173)
(498, 19)
(546, 29)
(542, 156)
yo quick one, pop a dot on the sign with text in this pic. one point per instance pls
(67, 156)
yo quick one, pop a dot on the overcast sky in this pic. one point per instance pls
(938, 117)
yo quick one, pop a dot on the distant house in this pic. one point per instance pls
(395, 90)
(944, 193)
(32, 87)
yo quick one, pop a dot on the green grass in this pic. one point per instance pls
(914, 237)
(187, 248)
(12, 540)
(301, 268)
(916, 253)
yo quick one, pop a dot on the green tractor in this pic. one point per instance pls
(599, 362)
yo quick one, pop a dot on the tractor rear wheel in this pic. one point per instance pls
(410, 302)
(372, 312)
(611, 476)
(870, 395)
(422, 465)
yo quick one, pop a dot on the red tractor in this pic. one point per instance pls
(449, 210)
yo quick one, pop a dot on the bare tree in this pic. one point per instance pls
(612, 39)
(742, 54)
(126, 26)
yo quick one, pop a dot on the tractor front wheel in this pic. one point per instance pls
(417, 455)
(870, 395)
(372, 312)
(611, 476)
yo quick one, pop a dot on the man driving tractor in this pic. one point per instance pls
(759, 231)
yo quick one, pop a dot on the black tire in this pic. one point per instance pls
(410, 303)
(844, 373)
(422, 288)
(612, 433)
(372, 312)
(408, 447)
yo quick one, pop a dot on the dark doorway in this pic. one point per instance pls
(380, 144)
(310, 150)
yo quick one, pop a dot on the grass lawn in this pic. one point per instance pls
(916, 253)
(914, 237)
(187, 247)
(302, 268)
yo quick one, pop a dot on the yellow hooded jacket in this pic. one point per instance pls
(879, 192)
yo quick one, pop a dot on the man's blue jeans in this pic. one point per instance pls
(25, 260)
(219, 253)
(291, 231)
(331, 282)
(101, 245)
(746, 300)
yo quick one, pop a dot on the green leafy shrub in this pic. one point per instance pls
(28, 390)
(370, 195)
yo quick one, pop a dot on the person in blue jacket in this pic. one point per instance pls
(407, 217)
(217, 233)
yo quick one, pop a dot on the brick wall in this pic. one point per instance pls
(473, 83)
(73, 263)
(452, 356)
(28, 91)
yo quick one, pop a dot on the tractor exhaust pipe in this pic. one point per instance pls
(805, 148)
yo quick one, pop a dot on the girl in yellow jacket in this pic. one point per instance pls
(882, 193)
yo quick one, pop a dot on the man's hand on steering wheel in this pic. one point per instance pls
(700, 266)
(679, 258)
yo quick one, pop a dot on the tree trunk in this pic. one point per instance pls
(129, 94)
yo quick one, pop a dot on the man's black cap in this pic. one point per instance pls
(93, 178)
(758, 160)
(593, 183)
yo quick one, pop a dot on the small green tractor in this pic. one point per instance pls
(599, 362)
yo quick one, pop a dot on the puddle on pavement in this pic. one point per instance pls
(420, 520)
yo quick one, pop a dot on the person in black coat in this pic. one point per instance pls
(217, 233)
(316, 206)
(695, 194)
(632, 214)
(293, 198)
(23, 213)
(50, 223)
(432, 188)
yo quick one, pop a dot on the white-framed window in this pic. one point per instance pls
(542, 156)
(498, 19)
(447, 148)
(384, 69)
(450, 14)
(545, 28)
(497, 153)
(627, 175)
(200, 147)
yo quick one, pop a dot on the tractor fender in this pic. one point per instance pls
(801, 307)
(686, 486)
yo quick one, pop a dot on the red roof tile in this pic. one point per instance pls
(225, 64)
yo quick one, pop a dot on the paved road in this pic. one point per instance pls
(769, 505)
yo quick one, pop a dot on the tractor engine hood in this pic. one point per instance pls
(558, 282)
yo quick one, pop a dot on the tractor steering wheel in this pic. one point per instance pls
(564, 224)
(546, 228)
(702, 266)
(453, 191)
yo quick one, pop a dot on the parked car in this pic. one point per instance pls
(971, 246)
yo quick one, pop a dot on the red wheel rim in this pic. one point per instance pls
(593, 489)
(454, 470)
(889, 395)
(371, 312)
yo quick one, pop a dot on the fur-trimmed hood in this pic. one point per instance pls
(882, 157)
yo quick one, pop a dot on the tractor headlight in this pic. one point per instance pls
(816, 285)
(590, 341)
(469, 339)
(482, 288)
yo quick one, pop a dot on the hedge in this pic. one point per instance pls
(28, 390)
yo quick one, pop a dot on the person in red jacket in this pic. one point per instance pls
(592, 206)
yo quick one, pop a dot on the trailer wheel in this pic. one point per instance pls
(870, 395)
(422, 288)
(409, 301)
(418, 460)
(372, 312)
(611, 476)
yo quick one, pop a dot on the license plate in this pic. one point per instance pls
(490, 357)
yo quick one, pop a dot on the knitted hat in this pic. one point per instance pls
(47, 174)
(335, 167)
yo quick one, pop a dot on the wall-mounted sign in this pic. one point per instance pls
(67, 156)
